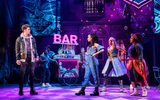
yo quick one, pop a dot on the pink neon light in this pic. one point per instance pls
(59, 39)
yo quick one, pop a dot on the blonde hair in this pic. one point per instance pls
(112, 39)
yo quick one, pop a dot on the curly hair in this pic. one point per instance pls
(137, 37)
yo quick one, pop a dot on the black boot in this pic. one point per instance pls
(33, 92)
(95, 93)
(20, 92)
(81, 92)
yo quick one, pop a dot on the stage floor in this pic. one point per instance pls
(57, 92)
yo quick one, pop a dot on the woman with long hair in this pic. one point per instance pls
(91, 64)
(113, 67)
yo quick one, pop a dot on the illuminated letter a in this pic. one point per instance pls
(65, 39)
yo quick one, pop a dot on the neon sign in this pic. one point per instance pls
(59, 39)
(137, 3)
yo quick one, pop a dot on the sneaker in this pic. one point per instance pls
(43, 85)
(131, 88)
(144, 92)
(48, 85)
(135, 92)
(104, 89)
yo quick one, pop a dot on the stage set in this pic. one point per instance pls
(67, 93)
(79, 49)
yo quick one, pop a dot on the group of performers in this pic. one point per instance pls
(115, 65)
(26, 56)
